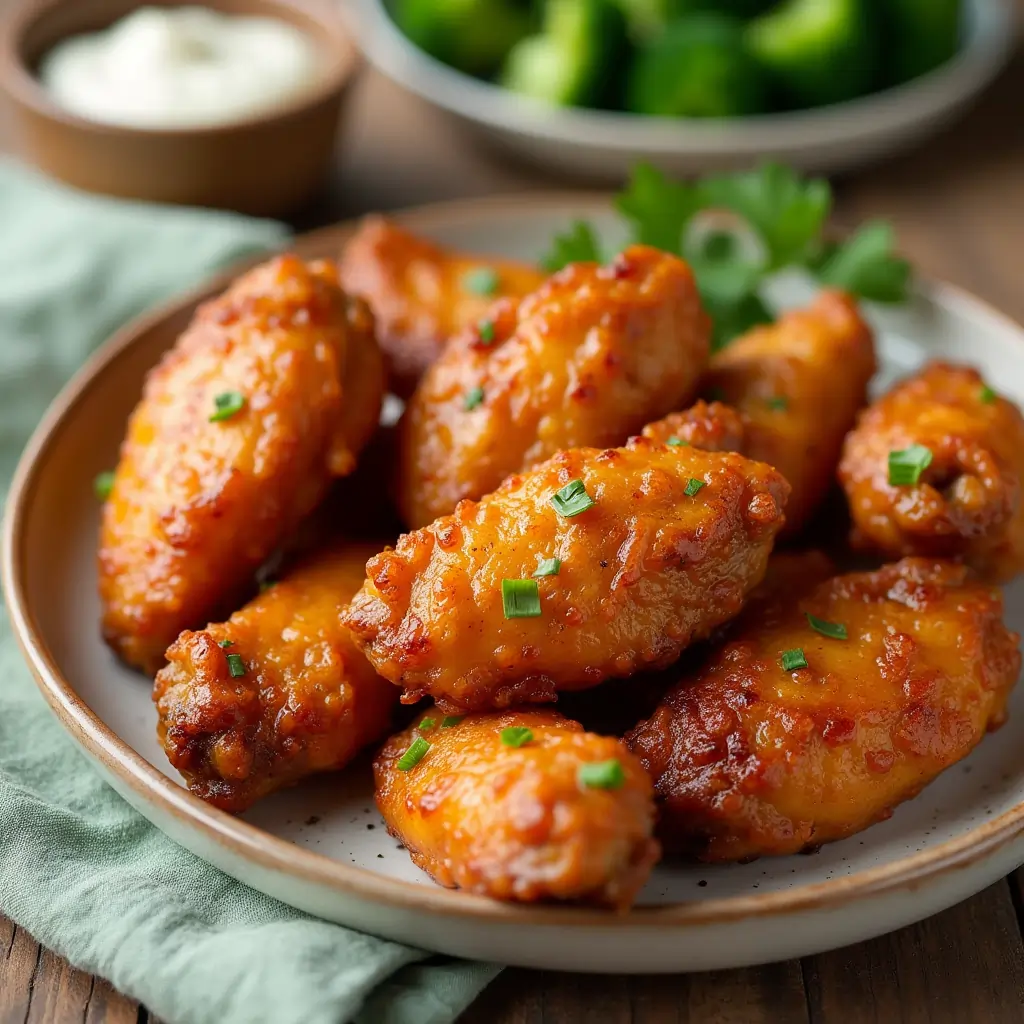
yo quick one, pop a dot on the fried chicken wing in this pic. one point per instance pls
(752, 759)
(655, 545)
(422, 294)
(966, 502)
(566, 815)
(269, 394)
(276, 693)
(586, 360)
(793, 389)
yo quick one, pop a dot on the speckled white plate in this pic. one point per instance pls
(322, 846)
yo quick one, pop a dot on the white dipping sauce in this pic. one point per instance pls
(181, 67)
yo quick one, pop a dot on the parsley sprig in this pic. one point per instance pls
(737, 230)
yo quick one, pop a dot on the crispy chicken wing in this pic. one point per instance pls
(751, 759)
(277, 692)
(967, 501)
(566, 815)
(794, 389)
(422, 294)
(672, 543)
(269, 394)
(586, 360)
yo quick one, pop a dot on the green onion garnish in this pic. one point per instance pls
(265, 585)
(473, 398)
(987, 395)
(427, 723)
(572, 499)
(413, 755)
(225, 643)
(449, 720)
(236, 666)
(793, 659)
(486, 331)
(520, 599)
(833, 630)
(481, 281)
(103, 484)
(516, 736)
(677, 442)
(226, 405)
(601, 774)
(548, 567)
(906, 466)
(778, 403)
(693, 486)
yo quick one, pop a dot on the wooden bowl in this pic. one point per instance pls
(266, 165)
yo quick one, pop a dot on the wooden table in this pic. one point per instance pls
(958, 205)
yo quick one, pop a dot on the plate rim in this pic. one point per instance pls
(251, 843)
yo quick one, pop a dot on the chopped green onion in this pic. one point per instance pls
(265, 585)
(450, 720)
(236, 666)
(520, 599)
(693, 486)
(906, 466)
(225, 643)
(226, 405)
(548, 567)
(486, 331)
(427, 723)
(572, 499)
(677, 442)
(601, 774)
(473, 398)
(516, 736)
(987, 395)
(103, 484)
(833, 630)
(793, 659)
(481, 281)
(413, 755)
(778, 403)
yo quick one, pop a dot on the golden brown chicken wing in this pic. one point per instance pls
(935, 468)
(269, 394)
(827, 707)
(586, 360)
(594, 565)
(794, 389)
(520, 805)
(276, 693)
(422, 294)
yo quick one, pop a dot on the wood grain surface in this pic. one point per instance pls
(958, 206)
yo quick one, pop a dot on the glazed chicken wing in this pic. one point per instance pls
(759, 753)
(520, 805)
(586, 360)
(422, 294)
(269, 394)
(277, 692)
(594, 565)
(958, 490)
(793, 390)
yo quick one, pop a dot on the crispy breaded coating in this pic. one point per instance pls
(967, 502)
(422, 294)
(792, 390)
(197, 505)
(750, 759)
(524, 823)
(675, 540)
(586, 360)
(276, 693)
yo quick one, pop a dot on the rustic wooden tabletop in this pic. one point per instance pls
(958, 205)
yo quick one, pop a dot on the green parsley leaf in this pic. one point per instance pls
(907, 465)
(730, 320)
(103, 484)
(677, 442)
(236, 667)
(601, 774)
(548, 567)
(473, 398)
(227, 405)
(577, 245)
(481, 281)
(658, 208)
(793, 659)
(987, 396)
(451, 720)
(486, 331)
(833, 630)
(778, 403)
(516, 736)
(426, 723)
(225, 643)
(693, 486)
(413, 755)
(865, 265)
(520, 599)
(572, 499)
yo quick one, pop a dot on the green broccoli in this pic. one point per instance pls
(646, 18)
(919, 36)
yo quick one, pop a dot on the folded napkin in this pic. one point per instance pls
(80, 869)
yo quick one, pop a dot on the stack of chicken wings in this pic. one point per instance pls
(594, 502)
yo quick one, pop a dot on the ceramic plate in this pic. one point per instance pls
(601, 145)
(323, 848)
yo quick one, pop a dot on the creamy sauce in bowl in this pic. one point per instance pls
(181, 67)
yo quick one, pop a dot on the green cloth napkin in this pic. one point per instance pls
(80, 869)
